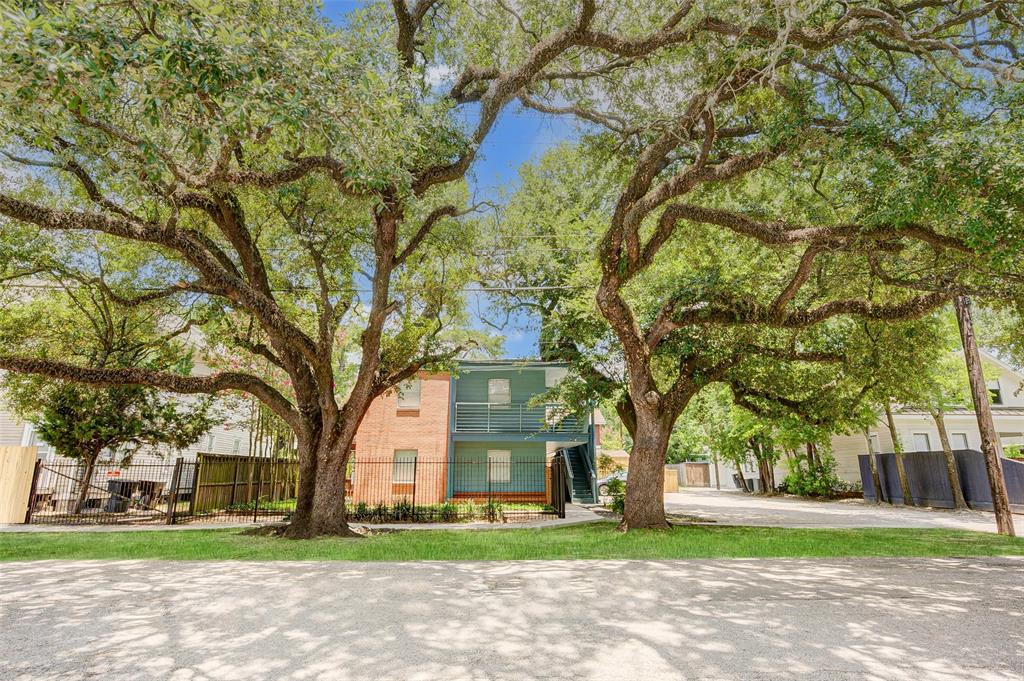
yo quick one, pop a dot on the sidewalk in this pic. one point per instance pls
(574, 515)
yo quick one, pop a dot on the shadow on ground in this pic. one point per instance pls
(890, 619)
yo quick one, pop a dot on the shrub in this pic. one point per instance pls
(403, 510)
(617, 491)
(814, 481)
(493, 510)
(449, 512)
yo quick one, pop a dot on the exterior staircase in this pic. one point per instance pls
(582, 491)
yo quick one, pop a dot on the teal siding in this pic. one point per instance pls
(471, 386)
(526, 472)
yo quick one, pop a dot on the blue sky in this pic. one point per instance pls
(518, 137)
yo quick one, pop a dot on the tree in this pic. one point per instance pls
(81, 422)
(755, 166)
(282, 182)
(274, 169)
(943, 385)
(990, 446)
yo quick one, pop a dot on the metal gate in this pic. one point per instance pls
(68, 493)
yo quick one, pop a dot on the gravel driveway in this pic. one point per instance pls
(912, 620)
(736, 508)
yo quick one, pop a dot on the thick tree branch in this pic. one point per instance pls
(102, 377)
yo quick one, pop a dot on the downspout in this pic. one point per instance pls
(450, 492)
(592, 456)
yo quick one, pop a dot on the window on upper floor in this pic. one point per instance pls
(958, 440)
(995, 392)
(922, 443)
(876, 447)
(499, 392)
(409, 394)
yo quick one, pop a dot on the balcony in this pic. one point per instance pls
(483, 417)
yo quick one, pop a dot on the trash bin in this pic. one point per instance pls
(120, 493)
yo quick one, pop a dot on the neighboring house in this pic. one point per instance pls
(472, 435)
(153, 466)
(231, 437)
(917, 431)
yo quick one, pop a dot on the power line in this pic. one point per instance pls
(299, 289)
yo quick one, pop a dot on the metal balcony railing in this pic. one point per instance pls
(483, 417)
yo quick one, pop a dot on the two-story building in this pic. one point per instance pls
(482, 432)
(917, 431)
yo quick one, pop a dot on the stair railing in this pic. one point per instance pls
(568, 467)
(591, 475)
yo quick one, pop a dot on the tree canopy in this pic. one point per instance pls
(766, 174)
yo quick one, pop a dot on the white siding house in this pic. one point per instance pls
(229, 437)
(917, 432)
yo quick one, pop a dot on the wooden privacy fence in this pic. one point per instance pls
(232, 481)
(17, 465)
(929, 482)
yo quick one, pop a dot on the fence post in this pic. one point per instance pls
(195, 488)
(234, 484)
(32, 491)
(259, 492)
(490, 504)
(415, 462)
(172, 498)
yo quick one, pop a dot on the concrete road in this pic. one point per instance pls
(733, 507)
(913, 620)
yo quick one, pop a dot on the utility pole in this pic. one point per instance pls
(990, 446)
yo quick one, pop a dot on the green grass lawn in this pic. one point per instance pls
(599, 540)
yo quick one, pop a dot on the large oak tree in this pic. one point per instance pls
(777, 173)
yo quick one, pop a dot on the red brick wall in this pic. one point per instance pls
(384, 429)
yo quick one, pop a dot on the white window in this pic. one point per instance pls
(237, 446)
(922, 443)
(958, 440)
(404, 471)
(499, 392)
(209, 443)
(1006, 439)
(995, 392)
(409, 394)
(554, 375)
(499, 465)
(876, 448)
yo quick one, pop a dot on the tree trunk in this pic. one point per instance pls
(718, 477)
(321, 510)
(876, 481)
(812, 464)
(768, 451)
(897, 448)
(951, 472)
(302, 520)
(83, 489)
(743, 479)
(990, 446)
(645, 485)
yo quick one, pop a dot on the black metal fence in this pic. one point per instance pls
(929, 482)
(241, 489)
